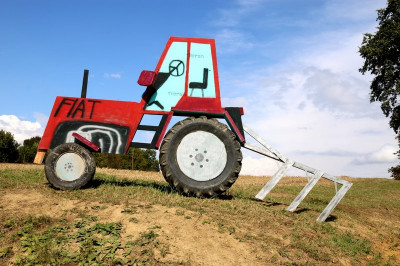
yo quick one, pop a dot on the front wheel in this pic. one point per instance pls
(70, 166)
(200, 156)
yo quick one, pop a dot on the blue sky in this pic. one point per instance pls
(293, 66)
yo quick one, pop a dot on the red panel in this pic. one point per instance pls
(86, 142)
(187, 73)
(163, 130)
(216, 77)
(195, 104)
(188, 39)
(147, 78)
(151, 112)
(83, 109)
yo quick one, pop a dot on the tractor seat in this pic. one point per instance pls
(198, 85)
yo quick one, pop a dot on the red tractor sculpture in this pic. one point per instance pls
(198, 156)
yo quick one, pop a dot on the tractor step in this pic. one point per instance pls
(158, 131)
(272, 153)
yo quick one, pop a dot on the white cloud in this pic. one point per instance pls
(41, 118)
(229, 41)
(21, 129)
(335, 50)
(117, 76)
(315, 109)
(385, 154)
(230, 37)
(258, 166)
(331, 152)
(234, 102)
(112, 75)
(342, 93)
(328, 139)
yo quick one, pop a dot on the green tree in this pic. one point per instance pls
(381, 54)
(8, 147)
(28, 150)
(144, 159)
(134, 159)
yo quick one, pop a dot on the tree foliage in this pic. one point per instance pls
(381, 53)
(134, 159)
(8, 147)
(28, 150)
(395, 170)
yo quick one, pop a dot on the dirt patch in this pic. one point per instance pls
(189, 238)
(233, 229)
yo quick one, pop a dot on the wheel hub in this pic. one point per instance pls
(70, 166)
(201, 156)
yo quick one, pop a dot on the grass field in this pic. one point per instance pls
(132, 217)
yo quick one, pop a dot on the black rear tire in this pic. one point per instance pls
(188, 167)
(70, 166)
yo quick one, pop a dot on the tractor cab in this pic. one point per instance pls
(186, 78)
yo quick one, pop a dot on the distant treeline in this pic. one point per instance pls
(134, 159)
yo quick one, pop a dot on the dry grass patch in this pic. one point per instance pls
(155, 225)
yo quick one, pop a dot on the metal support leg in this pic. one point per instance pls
(304, 192)
(335, 200)
(272, 153)
(274, 180)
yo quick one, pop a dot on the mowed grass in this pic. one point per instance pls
(363, 229)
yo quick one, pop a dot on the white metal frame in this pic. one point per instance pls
(272, 153)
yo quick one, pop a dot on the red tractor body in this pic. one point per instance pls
(112, 125)
(184, 83)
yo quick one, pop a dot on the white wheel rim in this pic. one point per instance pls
(70, 166)
(201, 156)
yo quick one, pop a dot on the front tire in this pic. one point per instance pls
(70, 166)
(201, 157)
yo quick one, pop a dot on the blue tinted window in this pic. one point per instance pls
(170, 82)
(201, 72)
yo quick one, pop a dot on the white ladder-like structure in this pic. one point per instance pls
(272, 153)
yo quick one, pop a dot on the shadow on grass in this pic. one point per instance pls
(331, 218)
(266, 203)
(95, 183)
(301, 210)
(164, 188)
